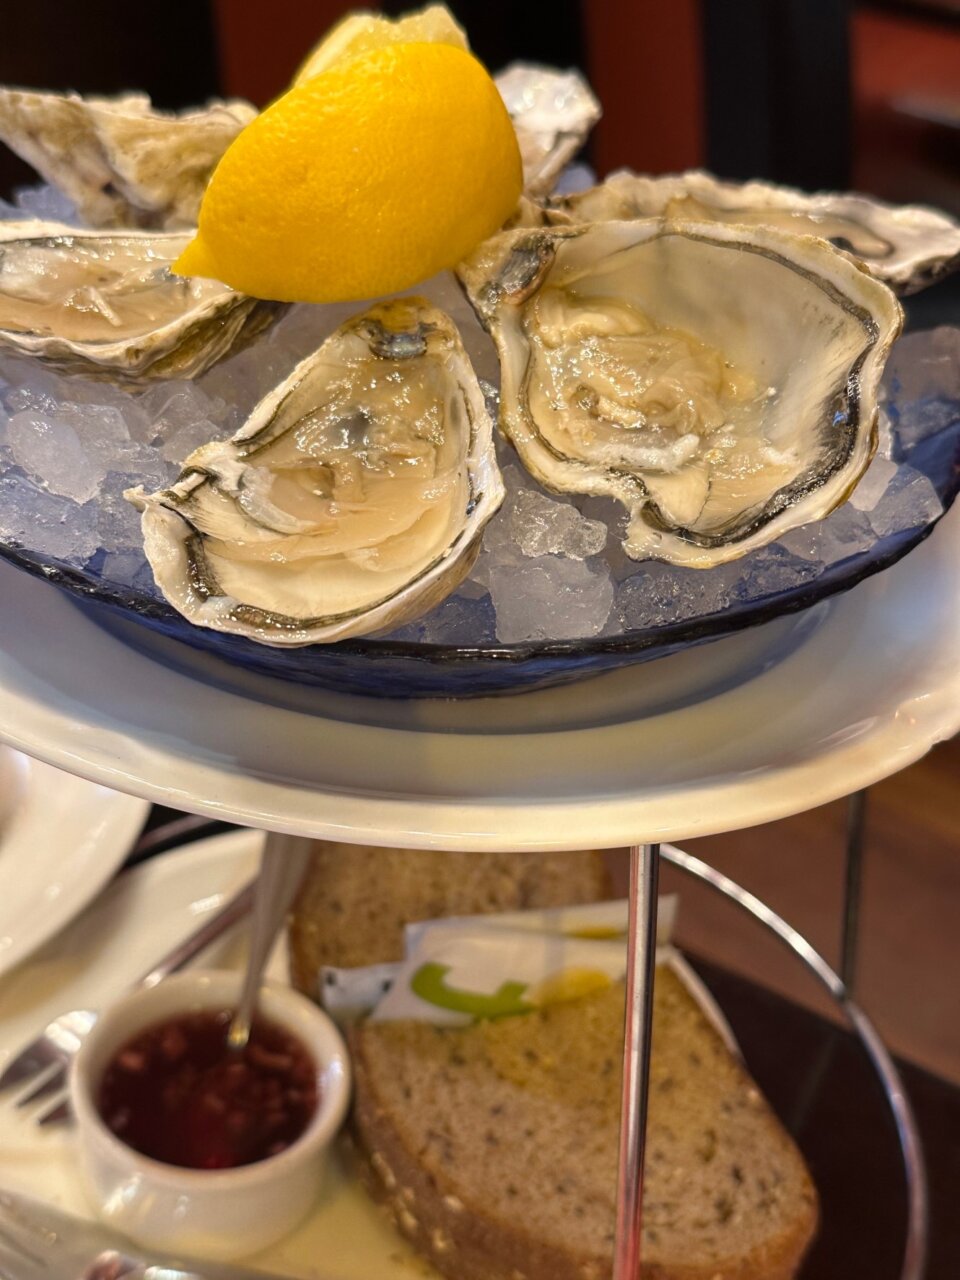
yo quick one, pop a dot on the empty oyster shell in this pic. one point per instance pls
(906, 246)
(552, 113)
(106, 304)
(121, 162)
(720, 381)
(353, 498)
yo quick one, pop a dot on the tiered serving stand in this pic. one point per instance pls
(775, 720)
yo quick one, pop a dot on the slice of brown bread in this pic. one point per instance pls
(355, 899)
(496, 1146)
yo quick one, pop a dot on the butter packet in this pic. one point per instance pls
(458, 969)
(455, 976)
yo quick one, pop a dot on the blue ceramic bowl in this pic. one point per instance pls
(404, 669)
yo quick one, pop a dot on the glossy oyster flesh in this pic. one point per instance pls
(106, 303)
(906, 246)
(552, 113)
(121, 162)
(353, 498)
(719, 381)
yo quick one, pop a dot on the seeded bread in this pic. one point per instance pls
(495, 1146)
(355, 899)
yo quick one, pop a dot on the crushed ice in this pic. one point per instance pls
(551, 568)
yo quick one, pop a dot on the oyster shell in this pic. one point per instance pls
(106, 304)
(353, 498)
(719, 381)
(119, 160)
(552, 113)
(906, 246)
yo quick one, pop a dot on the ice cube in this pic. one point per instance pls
(770, 570)
(458, 620)
(660, 593)
(122, 567)
(542, 526)
(845, 532)
(805, 541)
(118, 521)
(909, 502)
(46, 523)
(922, 379)
(924, 364)
(549, 598)
(50, 451)
(873, 484)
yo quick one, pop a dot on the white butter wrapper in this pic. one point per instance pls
(455, 976)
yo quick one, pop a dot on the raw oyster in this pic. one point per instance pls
(906, 246)
(106, 304)
(352, 499)
(719, 381)
(121, 162)
(552, 113)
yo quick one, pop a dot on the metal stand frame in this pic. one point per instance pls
(853, 886)
(641, 960)
(641, 963)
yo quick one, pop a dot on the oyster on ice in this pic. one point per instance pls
(719, 381)
(106, 304)
(906, 246)
(121, 162)
(353, 498)
(552, 113)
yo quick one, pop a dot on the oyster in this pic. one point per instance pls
(106, 303)
(353, 498)
(552, 113)
(719, 381)
(906, 246)
(119, 160)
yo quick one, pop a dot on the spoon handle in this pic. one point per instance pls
(282, 867)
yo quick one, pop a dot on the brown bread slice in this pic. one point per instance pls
(355, 899)
(496, 1146)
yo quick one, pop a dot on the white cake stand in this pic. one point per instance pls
(749, 729)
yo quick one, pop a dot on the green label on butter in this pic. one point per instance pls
(429, 982)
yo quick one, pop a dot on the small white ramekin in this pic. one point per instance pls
(219, 1214)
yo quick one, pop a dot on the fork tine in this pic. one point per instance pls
(36, 1057)
(53, 1083)
(59, 1113)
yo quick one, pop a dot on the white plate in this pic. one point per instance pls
(601, 763)
(140, 917)
(61, 839)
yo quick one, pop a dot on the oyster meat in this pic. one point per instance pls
(552, 113)
(353, 498)
(106, 303)
(720, 381)
(906, 246)
(121, 162)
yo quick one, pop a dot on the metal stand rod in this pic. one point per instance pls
(850, 930)
(641, 965)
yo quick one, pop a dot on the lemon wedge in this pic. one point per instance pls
(362, 31)
(377, 173)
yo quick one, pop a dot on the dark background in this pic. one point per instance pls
(820, 93)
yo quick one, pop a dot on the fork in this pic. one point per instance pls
(39, 1242)
(51, 1053)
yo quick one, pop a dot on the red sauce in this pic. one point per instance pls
(176, 1092)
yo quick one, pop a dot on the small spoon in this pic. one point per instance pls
(283, 864)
